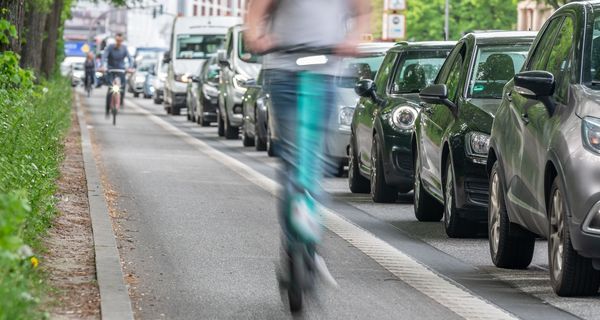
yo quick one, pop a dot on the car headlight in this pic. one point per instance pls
(239, 81)
(345, 115)
(591, 134)
(403, 118)
(478, 145)
(182, 78)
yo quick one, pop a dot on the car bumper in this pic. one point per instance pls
(337, 145)
(209, 108)
(581, 175)
(179, 99)
(398, 160)
(472, 187)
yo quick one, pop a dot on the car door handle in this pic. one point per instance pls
(525, 118)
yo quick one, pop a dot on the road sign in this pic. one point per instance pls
(394, 5)
(394, 26)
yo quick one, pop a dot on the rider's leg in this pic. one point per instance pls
(109, 78)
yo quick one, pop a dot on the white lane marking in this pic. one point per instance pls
(444, 291)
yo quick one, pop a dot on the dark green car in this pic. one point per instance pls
(382, 126)
(453, 129)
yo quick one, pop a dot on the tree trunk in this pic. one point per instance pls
(35, 22)
(52, 25)
(15, 14)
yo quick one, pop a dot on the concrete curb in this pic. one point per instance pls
(114, 297)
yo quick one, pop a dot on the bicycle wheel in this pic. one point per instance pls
(114, 113)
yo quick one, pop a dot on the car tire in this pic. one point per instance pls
(340, 169)
(136, 95)
(246, 140)
(454, 224)
(356, 182)
(511, 246)
(231, 133)
(260, 143)
(426, 207)
(381, 192)
(220, 124)
(157, 101)
(570, 273)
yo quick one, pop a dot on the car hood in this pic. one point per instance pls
(489, 106)
(182, 66)
(248, 70)
(587, 101)
(346, 97)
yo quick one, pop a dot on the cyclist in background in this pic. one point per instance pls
(303, 40)
(90, 70)
(114, 57)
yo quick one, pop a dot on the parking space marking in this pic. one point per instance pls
(451, 295)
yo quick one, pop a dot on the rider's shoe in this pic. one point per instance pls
(323, 271)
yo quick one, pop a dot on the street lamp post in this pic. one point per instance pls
(447, 21)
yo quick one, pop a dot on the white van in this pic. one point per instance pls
(193, 41)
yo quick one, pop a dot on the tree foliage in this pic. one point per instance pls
(557, 3)
(425, 19)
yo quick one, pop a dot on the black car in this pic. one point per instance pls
(204, 95)
(453, 127)
(544, 158)
(255, 123)
(381, 131)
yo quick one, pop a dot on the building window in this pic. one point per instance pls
(195, 10)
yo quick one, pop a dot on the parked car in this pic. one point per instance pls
(255, 123)
(453, 127)
(545, 153)
(77, 73)
(382, 125)
(138, 78)
(353, 69)
(193, 41)
(204, 94)
(148, 90)
(158, 81)
(237, 66)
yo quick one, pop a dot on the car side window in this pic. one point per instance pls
(453, 79)
(559, 60)
(540, 56)
(384, 72)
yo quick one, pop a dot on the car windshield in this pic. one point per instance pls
(355, 69)
(417, 69)
(494, 67)
(194, 46)
(243, 53)
(146, 67)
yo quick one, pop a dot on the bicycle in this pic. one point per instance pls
(89, 81)
(114, 91)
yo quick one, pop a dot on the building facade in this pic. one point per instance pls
(208, 8)
(532, 15)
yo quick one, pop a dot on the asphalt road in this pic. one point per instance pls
(200, 237)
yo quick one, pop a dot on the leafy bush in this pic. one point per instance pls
(33, 121)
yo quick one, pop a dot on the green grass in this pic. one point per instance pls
(33, 123)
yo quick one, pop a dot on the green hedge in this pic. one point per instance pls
(33, 122)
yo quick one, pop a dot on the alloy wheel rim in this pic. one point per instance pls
(557, 235)
(449, 198)
(494, 214)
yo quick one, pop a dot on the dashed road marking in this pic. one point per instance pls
(442, 290)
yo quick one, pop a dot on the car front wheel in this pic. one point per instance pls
(570, 273)
(220, 124)
(426, 207)
(454, 224)
(510, 245)
(380, 191)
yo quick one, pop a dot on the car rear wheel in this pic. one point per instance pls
(426, 207)
(270, 143)
(455, 226)
(510, 245)
(380, 191)
(570, 273)
(356, 182)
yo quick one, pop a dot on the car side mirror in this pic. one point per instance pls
(222, 57)
(365, 88)
(438, 94)
(537, 85)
